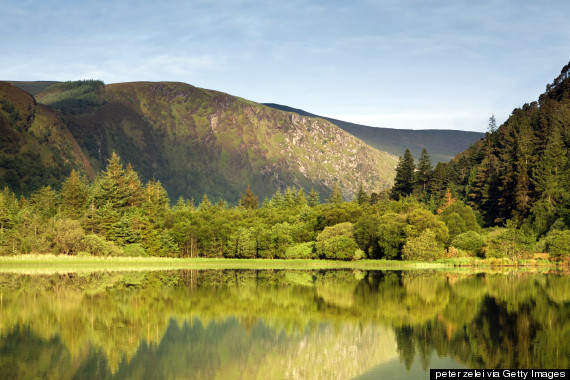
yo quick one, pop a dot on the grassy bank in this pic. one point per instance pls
(52, 263)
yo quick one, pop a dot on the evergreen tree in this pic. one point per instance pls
(550, 178)
(423, 174)
(404, 181)
(313, 198)
(525, 159)
(74, 194)
(117, 187)
(336, 195)
(300, 199)
(362, 196)
(277, 200)
(205, 204)
(289, 198)
(249, 200)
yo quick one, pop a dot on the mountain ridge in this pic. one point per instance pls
(198, 141)
(442, 144)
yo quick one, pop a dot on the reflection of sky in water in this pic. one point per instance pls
(396, 370)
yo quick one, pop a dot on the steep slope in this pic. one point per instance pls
(522, 170)
(32, 87)
(442, 145)
(36, 148)
(198, 141)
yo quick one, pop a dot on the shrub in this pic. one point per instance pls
(469, 241)
(301, 251)
(98, 246)
(337, 242)
(134, 250)
(509, 242)
(67, 235)
(422, 248)
(557, 243)
(336, 248)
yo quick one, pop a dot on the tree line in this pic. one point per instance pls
(118, 215)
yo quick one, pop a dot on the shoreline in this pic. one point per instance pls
(65, 264)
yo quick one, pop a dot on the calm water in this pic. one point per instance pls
(247, 324)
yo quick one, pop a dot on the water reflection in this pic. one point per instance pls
(278, 324)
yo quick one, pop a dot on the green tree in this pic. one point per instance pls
(424, 247)
(404, 180)
(423, 174)
(336, 195)
(362, 196)
(313, 198)
(74, 194)
(249, 200)
(552, 183)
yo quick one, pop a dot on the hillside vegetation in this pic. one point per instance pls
(443, 145)
(194, 141)
(36, 148)
(200, 142)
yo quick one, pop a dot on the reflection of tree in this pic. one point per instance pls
(514, 323)
(484, 321)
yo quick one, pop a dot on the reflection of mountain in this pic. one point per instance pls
(274, 324)
(226, 349)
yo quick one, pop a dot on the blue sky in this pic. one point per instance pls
(402, 64)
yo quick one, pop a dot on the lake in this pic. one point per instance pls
(279, 324)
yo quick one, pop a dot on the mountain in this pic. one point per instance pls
(198, 141)
(442, 145)
(33, 87)
(36, 148)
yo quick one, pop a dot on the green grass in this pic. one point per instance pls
(52, 263)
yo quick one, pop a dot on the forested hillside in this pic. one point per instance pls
(518, 176)
(194, 141)
(36, 148)
(521, 171)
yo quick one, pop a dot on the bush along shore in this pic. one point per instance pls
(117, 215)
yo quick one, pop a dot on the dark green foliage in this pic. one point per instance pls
(557, 243)
(117, 215)
(404, 181)
(423, 175)
(520, 171)
(73, 97)
(362, 196)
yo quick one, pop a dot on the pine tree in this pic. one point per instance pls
(313, 198)
(249, 200)
(277, 200)
(362, 196)
(336, 195)
(404, 181)
(74, 194)
(300, 199)
(289, 197)
(423, 174)
(117, 187)
(525, 159)
(550, 178)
